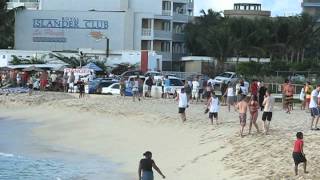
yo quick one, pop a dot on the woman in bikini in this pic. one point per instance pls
(254, 108)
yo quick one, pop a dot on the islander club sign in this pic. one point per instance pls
(70, 23)
(52, 30)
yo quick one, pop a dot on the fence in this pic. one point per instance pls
(182, 75)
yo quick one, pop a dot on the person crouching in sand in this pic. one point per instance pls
(213, 106)
(145, 167)
(298, 154)
(183, 104)
(242, 107)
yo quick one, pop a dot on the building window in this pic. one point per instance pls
(3, 56)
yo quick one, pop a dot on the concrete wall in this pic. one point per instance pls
(193, 66)
(34, 34)
(84, 5)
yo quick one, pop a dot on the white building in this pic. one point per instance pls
(28, 4)
(155, 25)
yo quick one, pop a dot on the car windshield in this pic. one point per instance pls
(226, 75)
(176, 82)
(105, 84)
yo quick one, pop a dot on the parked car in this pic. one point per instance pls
(127, 74)
(227, 77)
(95, 86)
(297, 78)
(152, 73)
(176, 85)
(113, 89)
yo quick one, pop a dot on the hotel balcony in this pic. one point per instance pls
(180, 17)
(148, 34)
(165, 55)
(27, 5)
(178, 37)
(166, 13)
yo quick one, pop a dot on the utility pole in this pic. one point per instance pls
(81, 58)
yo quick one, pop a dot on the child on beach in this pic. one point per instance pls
(213, 106)
(298, 154)
(145, 167)
(254, 108)
(268, 104)
(242, 107)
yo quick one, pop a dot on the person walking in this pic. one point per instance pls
(195, 90)
(242, 107)
(268, 104)
(183, 104)
(314, 108)
(298, 154)
(213, 107)
(146, 164)
(308, 90)
(230, 96)
(302, 98)
(288, 92)
(254, 109)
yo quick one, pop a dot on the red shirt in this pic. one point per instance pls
(297, 145)
(254, 88)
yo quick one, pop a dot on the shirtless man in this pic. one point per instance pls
(242, 107)
(288, 91)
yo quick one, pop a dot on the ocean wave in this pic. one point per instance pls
(6, 155)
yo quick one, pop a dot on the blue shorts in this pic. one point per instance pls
(315, 112)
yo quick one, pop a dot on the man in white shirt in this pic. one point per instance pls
(195, 89)
(314, 108)
(183, 104)
(268, 104)
(213, 107)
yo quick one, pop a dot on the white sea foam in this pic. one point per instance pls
(6, 155)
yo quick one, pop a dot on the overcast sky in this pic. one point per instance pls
(277, 7)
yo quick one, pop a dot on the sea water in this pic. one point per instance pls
(23, 157)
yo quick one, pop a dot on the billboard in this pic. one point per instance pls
(69, 30)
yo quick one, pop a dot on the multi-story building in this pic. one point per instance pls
(155, 25)
(28, 4)
(311, 7)
(247, 10)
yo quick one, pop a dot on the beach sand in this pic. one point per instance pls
(121, 130)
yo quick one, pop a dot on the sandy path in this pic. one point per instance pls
(121, 130)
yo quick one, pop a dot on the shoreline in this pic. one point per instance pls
(121, 131)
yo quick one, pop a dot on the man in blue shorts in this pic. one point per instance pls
(314, 108)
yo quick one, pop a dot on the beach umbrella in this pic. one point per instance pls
(32, 68)
(93, 66)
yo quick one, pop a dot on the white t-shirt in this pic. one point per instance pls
(183, 100)
(244, 90)
(313, 104)
(195, 85)
(230, 91)
(268, 103)
(214, 106)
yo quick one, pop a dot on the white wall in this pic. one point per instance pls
(84, 5)
(74, 38)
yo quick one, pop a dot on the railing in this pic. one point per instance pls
(166, 13)
(146, 32)
(28, 5)
(163, 34)
(180, 17)
(178, 37)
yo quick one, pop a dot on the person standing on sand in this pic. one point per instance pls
(188, 90)
(288, 92)
(268, 104)
(302, 98)
(195, 89)
(308, 90)
(262, 93)
(254, 109)
(145, 167)
(242, 107)
(135, 89)
(213, 106)
(122, 88)
(183, 104)
(254, 87)
(314, 108)
(298, 154)
(284, 87)
(230, 96)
